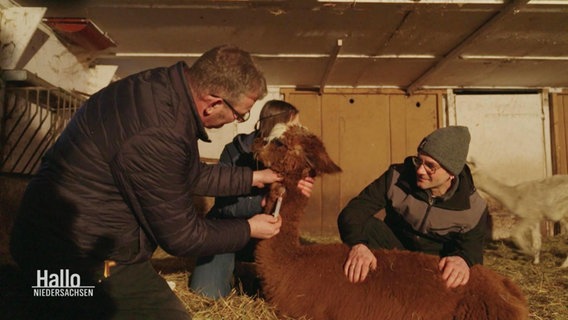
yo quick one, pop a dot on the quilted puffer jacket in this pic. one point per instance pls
(120, 179)
(239, 153)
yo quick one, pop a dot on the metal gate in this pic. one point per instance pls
(31, 120)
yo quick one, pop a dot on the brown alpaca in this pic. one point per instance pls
(308, 280)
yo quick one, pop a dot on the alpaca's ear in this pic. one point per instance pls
(328, 166)
(322, 163)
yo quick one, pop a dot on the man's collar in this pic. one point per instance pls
(201, 132)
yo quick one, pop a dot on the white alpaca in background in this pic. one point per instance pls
(532, 202)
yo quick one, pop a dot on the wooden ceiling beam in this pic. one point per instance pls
(507, 9)
(330, 64)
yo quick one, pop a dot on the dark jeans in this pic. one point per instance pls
(141, 293)
(213, 276)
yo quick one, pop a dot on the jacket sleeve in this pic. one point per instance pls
(236, 207)
(221, 180)
(154, 173)
(470, 244)
(359, 210)
(225, 178)
(236, 154)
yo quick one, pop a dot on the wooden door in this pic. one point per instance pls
(559, 115)
(559, 123)
(508, 134)
(510, 139)
(364, 132)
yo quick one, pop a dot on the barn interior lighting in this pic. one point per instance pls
(543, 2)
(271, 56)
(419, 1)
(510, 58)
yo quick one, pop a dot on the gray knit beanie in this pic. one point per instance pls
(448, 146)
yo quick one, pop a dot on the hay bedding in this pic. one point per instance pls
(545, 285)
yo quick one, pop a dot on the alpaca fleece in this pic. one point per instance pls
(308, 280)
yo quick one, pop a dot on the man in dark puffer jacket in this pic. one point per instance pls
(119, 182)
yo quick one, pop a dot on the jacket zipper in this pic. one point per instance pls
(460, 229)
(423, 223)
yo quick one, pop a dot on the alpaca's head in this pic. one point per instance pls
(294, 151)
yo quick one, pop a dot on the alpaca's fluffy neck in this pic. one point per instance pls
(293, 206)
(498, 190)
(292, 209)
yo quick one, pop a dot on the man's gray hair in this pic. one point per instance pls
(229, 72)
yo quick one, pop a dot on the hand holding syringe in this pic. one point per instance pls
(278, 204)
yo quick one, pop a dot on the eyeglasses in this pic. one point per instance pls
(240, 117)
(428, 166)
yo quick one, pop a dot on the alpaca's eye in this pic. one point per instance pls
(313, 173)
(278, 143)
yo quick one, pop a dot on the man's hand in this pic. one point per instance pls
(263, 177)
(264, 226)
(306, 185)
(360, 261)
(455, 271)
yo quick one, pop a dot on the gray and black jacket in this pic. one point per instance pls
(455, 224)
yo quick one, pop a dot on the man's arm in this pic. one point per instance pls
(455, 267)
(354, 216)
(153, 173)
(351, 223)
(470, 244)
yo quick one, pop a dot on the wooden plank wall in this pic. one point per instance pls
(364, 130)
(559, 126)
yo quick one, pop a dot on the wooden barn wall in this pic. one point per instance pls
(364, 132)
(559, 127)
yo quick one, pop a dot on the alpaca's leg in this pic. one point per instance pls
(519, 236)
(565, 263)
(536, 242)
(564, 222)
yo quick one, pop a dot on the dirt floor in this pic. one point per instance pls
(545, 285)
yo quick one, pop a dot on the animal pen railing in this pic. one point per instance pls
(31, 120)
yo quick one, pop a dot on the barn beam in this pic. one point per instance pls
(330, 64)
(508, 9)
